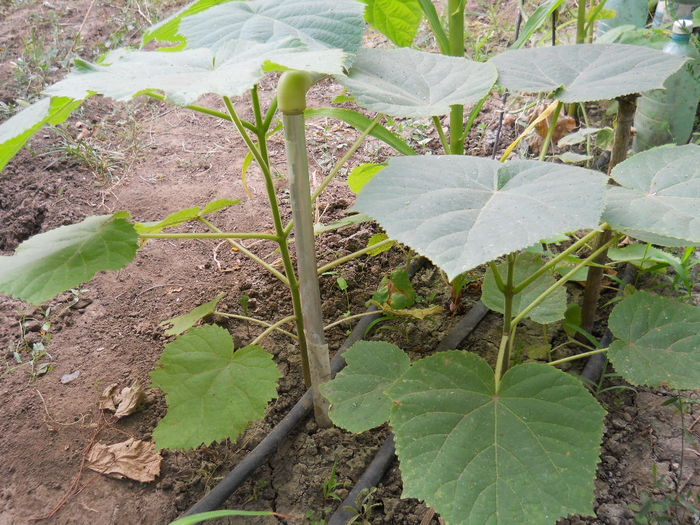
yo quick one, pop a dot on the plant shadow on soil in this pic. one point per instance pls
(108, 330)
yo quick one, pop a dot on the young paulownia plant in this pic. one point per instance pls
(459, 211)
(518, 443)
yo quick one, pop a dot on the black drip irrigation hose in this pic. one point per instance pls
(299, 412)
(385, 456)
(596, 363)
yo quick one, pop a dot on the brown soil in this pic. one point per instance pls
(152, 160)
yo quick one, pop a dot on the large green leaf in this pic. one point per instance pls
(168, 29)
(550, 310)
(659, 341)
(397, 19)
(53, 262)
(212, 391)
(357, 397)
(462, 211)
(658, 199)
(410, 83)
(186, 75)
(360, 122)
(315, 24)
(526, 454)
(585, 72)
(17, 130)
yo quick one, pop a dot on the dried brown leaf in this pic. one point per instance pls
(122, 403)
(133, 459)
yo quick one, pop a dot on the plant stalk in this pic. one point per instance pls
(281, 238)
(355, 255)
(221, 235)
(248, 253)
(553, 262)
(550, 130)
(292, 85)
(504, 350)
(577, 356)
(581, 22)
(456, 35)
(623, 130)
(275, 326)
(561, 282)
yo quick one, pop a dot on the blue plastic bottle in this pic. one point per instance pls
(666, 116)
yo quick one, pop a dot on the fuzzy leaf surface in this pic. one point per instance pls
(313, 24)
(658, 341)
(184, 322)
(397, 19)
(212, 391)
(658, 197)
(462, 211)
(357, 397)
(183, 77)
(410, 83)
(18, 129)
(526, 454)
(168, 29)
(550, 310)
(55, 261)
(585, 72)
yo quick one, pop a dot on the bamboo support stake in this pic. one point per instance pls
(292, 102)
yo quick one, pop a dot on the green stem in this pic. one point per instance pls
(472, 117)
(503, 359)
(456, 36)
(261, 131)
(270, 114)
(248, 253)
(577, 356)
(281, 238)
(275, 326)
(350, 318)
(497, 277)
(553, 262)
(206, 111)
(550, 132)
(222, 235)
(581, 22)
(434, 20)
(561, 282)
(354, 255)
(441, 133)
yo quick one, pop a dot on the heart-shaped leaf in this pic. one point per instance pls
(356, 394)
(550, 310)
(658, 199)
(187, 75)
(17, 130)
(58, 260)
(658, 341)
(212, 391)
(316, 24)
(524, 454)
(410, 83)
(167, 30)
(462, 211)
(585, 72)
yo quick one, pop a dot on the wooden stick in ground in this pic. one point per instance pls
(623, 132)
